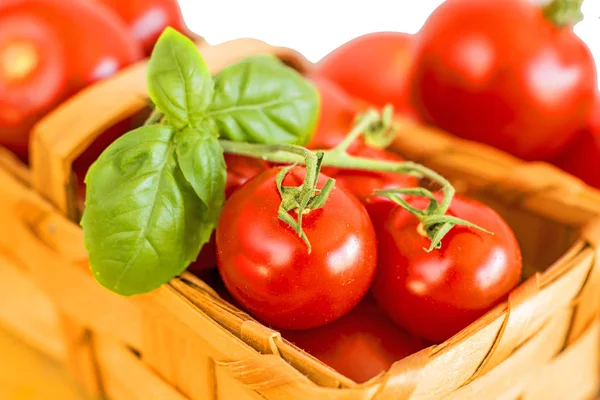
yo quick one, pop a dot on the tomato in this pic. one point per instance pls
(336, 116)
(436, 294)
(146, 19)
(362, 183)
(375, 67)
(267, 267)
(239, 170)
(498, 72)
(49, 50)
(360, 345)
(33, 74)
(582, 159)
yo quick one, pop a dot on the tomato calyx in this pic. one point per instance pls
(563, 12)
(304, 198)
(434, 223)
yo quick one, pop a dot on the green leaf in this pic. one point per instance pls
(201, 160)
(143, 222)
(179, 82)
(260, 100)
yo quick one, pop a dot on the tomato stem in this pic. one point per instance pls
(563, 12)
(290, 154)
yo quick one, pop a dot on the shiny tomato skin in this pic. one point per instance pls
(336, 116)
(59, 34)
(363, 183)
(436, 294)
(146, 19)
(375, 67)
(267, 267)
(33, 74)
(240, 169)
(360, 345)
(498, 72)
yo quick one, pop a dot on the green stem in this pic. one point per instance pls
(334, 158)
(563, 12)
(371, 117)
(154, 117)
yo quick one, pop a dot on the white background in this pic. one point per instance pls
(315, 27)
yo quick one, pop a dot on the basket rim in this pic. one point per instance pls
(54, 151)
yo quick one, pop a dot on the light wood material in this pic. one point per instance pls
(183, 341)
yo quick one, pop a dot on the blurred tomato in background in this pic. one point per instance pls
(146, 19)
(506, 73)
(49, 50)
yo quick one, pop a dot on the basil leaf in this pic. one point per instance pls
(179, 82)
(143, 223)
(260, 100)
(201, 160)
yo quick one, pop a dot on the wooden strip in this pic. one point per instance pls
(125, 377)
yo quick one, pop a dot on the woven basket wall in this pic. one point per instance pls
(183, 341)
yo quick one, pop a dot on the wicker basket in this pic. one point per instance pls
(183, 341)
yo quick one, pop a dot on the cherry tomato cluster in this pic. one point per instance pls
(51, 49)
(367, 294)
(508, 73)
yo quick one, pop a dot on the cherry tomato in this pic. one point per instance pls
(239, 170)
(436, 294)
(267, 267)
(360, 345)
(33, 74)
(362, 183)
(146, 19)
(49, 50)
(498, 72)
(582, 159)
(375, 67)
(336, 115)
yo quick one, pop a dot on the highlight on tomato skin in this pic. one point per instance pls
(436, 294)
(46, 57)
(33, 75)
(500, 73)
(267, 268)
(360, 345)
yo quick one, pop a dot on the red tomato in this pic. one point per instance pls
(267, 268)
(336, 115)
(50, 49)
(360, 345)
(146, 19)
(363, 183)
(498, 72)
(33, 74)
(436, 294)
(239, 170)
(582, 159)
(374, 67)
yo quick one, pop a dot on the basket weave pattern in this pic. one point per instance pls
(183, 342)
